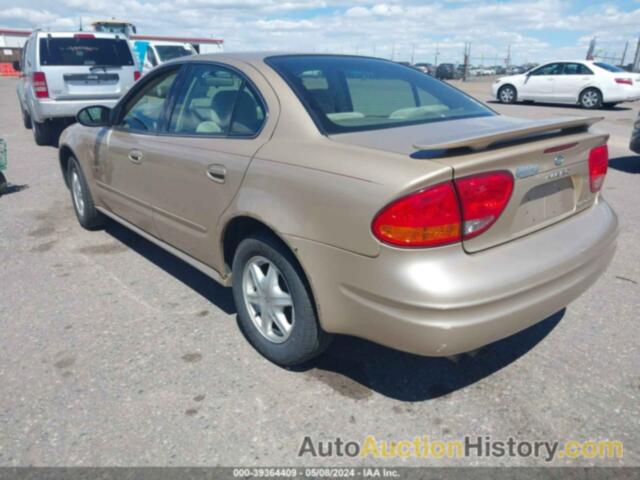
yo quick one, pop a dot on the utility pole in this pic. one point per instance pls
(624, 53)
(435, 63)
(508, 59)
(592, 48)
(467, 55)
(636, 58)
(413, 53)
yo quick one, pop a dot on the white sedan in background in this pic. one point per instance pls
(590, 84)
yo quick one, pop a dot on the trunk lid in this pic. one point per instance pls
(548, 160)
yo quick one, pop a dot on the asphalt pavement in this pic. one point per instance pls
(112, 352)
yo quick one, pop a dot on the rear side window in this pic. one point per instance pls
(609, 68)
(576, 69)
(79, 51)
(345, 94)
(216, 101)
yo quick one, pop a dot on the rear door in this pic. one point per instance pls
(86, 66)
(574, 78)
(214, 131)
(540, 83)
(130, 147)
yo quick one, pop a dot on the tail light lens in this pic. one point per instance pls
(446, 213)
(483, 198)
(39, 83)
(624, 81)
(427, 218)
(598, 164)
(84, 36)
(136, 75)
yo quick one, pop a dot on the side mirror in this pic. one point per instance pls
(95, 116)
(16, 66)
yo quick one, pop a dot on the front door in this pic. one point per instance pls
(122, 172)
(215, 129)
(540, 83)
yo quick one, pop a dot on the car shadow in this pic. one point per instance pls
(356, 367)
(617, 108)
(11, 188)
(628, 164)
(182, 271)
(353, 366)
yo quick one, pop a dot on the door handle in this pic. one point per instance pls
(217, 173)
(135, 156)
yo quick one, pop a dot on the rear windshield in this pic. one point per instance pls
(84, 51)
(169, 52)
(345, 94)
(610, 68)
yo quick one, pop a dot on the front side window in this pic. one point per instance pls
(345, 94)
(216, 101)
(551, 69)
(84, 50)
(143, 113)
(169, 52)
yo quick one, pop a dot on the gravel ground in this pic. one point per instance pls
(115, 353)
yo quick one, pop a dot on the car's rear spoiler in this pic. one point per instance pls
(490, 137)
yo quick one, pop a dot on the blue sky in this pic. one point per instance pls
(536, 30)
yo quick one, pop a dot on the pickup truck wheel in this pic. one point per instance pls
(26, 118)
(41, 132)
(275, 307)
(83, 205)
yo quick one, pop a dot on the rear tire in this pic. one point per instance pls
(591, 99)
(26, 118)
(81, 198)
(301, 339)
(508, 94)
(41, 132)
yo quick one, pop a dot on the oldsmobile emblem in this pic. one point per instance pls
(559, 160)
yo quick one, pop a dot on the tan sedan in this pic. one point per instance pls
(349, 195)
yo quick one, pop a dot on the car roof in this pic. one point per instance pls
(72, 34)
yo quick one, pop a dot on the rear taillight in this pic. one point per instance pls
(39, 83)
(427, 218)
(598, 164)
(624, 81)
(136, 75)
(483, 198)
(84, 35)
(446, 213)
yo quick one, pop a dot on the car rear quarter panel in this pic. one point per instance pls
(328, 192)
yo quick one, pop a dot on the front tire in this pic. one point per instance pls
(41, 132)
(275, 307)
(81, 198)
(591, 99)
(507, 94)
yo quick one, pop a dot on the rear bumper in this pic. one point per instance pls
(444, 301)
(42, 110)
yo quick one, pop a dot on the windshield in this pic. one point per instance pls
(73, 51)
(610, 68)
(169, 52)
(345, 94)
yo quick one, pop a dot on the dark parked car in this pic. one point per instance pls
(634, 145)
(446, 71)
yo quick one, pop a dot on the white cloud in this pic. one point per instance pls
(362, 26)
